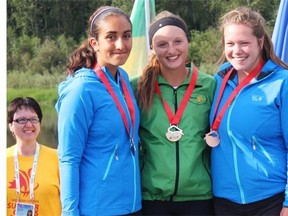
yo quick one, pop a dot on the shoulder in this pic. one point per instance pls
(206, 79)
(134, 82)
(10, 151)
(271, 66)
(48, 150)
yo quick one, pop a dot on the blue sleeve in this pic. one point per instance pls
(74, 116)
(284, 126)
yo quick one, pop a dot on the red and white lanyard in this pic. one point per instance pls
(32, 176)
(129, 102)
(175, 119)
(247, 80)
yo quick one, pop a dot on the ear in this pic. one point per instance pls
(11, 127)
(93, 43)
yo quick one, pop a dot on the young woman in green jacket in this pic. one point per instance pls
(175, 102)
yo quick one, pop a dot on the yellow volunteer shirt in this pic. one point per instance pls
(46, 185)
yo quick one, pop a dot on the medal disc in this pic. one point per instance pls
(212, 139)
(174, 135)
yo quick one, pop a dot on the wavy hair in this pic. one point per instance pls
(254, 20)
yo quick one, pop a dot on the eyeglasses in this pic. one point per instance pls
(33, 120)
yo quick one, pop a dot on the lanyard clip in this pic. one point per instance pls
(132, 146)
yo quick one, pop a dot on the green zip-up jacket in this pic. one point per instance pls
(177, 171)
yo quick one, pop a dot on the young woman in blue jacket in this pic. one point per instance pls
(98, 122)
(249, 121)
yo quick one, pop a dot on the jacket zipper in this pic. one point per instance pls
(236, 169)
(256, 144)
(114, 155)
(177, 150)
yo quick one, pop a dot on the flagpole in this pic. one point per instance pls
(147, 19)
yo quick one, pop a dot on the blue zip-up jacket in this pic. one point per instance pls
(250, 164)
(99, 173)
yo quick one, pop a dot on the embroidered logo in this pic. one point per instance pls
(257, 98)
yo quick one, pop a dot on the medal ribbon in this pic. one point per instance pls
(252, 74)
(175, 119)
(32, 176)
(129, 102)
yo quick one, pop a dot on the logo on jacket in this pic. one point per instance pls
(24, 183)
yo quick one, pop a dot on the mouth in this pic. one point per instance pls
(120, 53)
(239, 59)
(172, 58)
(29, 131)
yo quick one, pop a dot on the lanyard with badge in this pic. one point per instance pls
(212, 138)
(174, 133)
(129, 102)
(21, 207)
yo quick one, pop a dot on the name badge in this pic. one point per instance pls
(24, 209)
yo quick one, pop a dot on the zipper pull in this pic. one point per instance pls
(253, 145)
(116, 154)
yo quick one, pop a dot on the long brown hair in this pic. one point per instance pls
(146, 83)
(254, 20)
(85, 55)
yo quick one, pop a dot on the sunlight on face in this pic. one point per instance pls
(170, 45)
(242, 48)
(114, 43)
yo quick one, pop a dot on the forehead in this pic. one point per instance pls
(23, 110)
(239, 30)
(169, 31)
(114, 23)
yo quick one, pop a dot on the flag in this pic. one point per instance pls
(143, 12)
(280, 32)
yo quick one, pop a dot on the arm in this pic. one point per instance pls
(284, 126)
(72, 135)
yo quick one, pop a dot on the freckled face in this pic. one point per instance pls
(242, 48)
(114, 43)
(25, 133)
(170, 45)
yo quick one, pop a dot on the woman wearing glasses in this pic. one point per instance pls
(32, 169)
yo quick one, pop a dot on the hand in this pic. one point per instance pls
(284, 211)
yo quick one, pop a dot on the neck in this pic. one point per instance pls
(241, 76)
(26, 150)
(176, 77)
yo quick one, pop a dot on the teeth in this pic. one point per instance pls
(239, 58)
(172, 57)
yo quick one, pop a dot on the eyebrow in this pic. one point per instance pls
(115, 32)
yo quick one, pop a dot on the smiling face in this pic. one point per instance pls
(242, 48)
(114, 42)
(25, 133)
(170, 45)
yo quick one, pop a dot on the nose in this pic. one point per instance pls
(119, 43)
(29, 123)
(237, 48)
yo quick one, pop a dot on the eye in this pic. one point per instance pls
(127, 35)
(161, 45)
(111, 37)
(34, 120)
(229, 44)
(21, 120)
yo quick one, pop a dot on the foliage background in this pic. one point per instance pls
(42, 33)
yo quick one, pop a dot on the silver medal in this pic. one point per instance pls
(174, 133)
